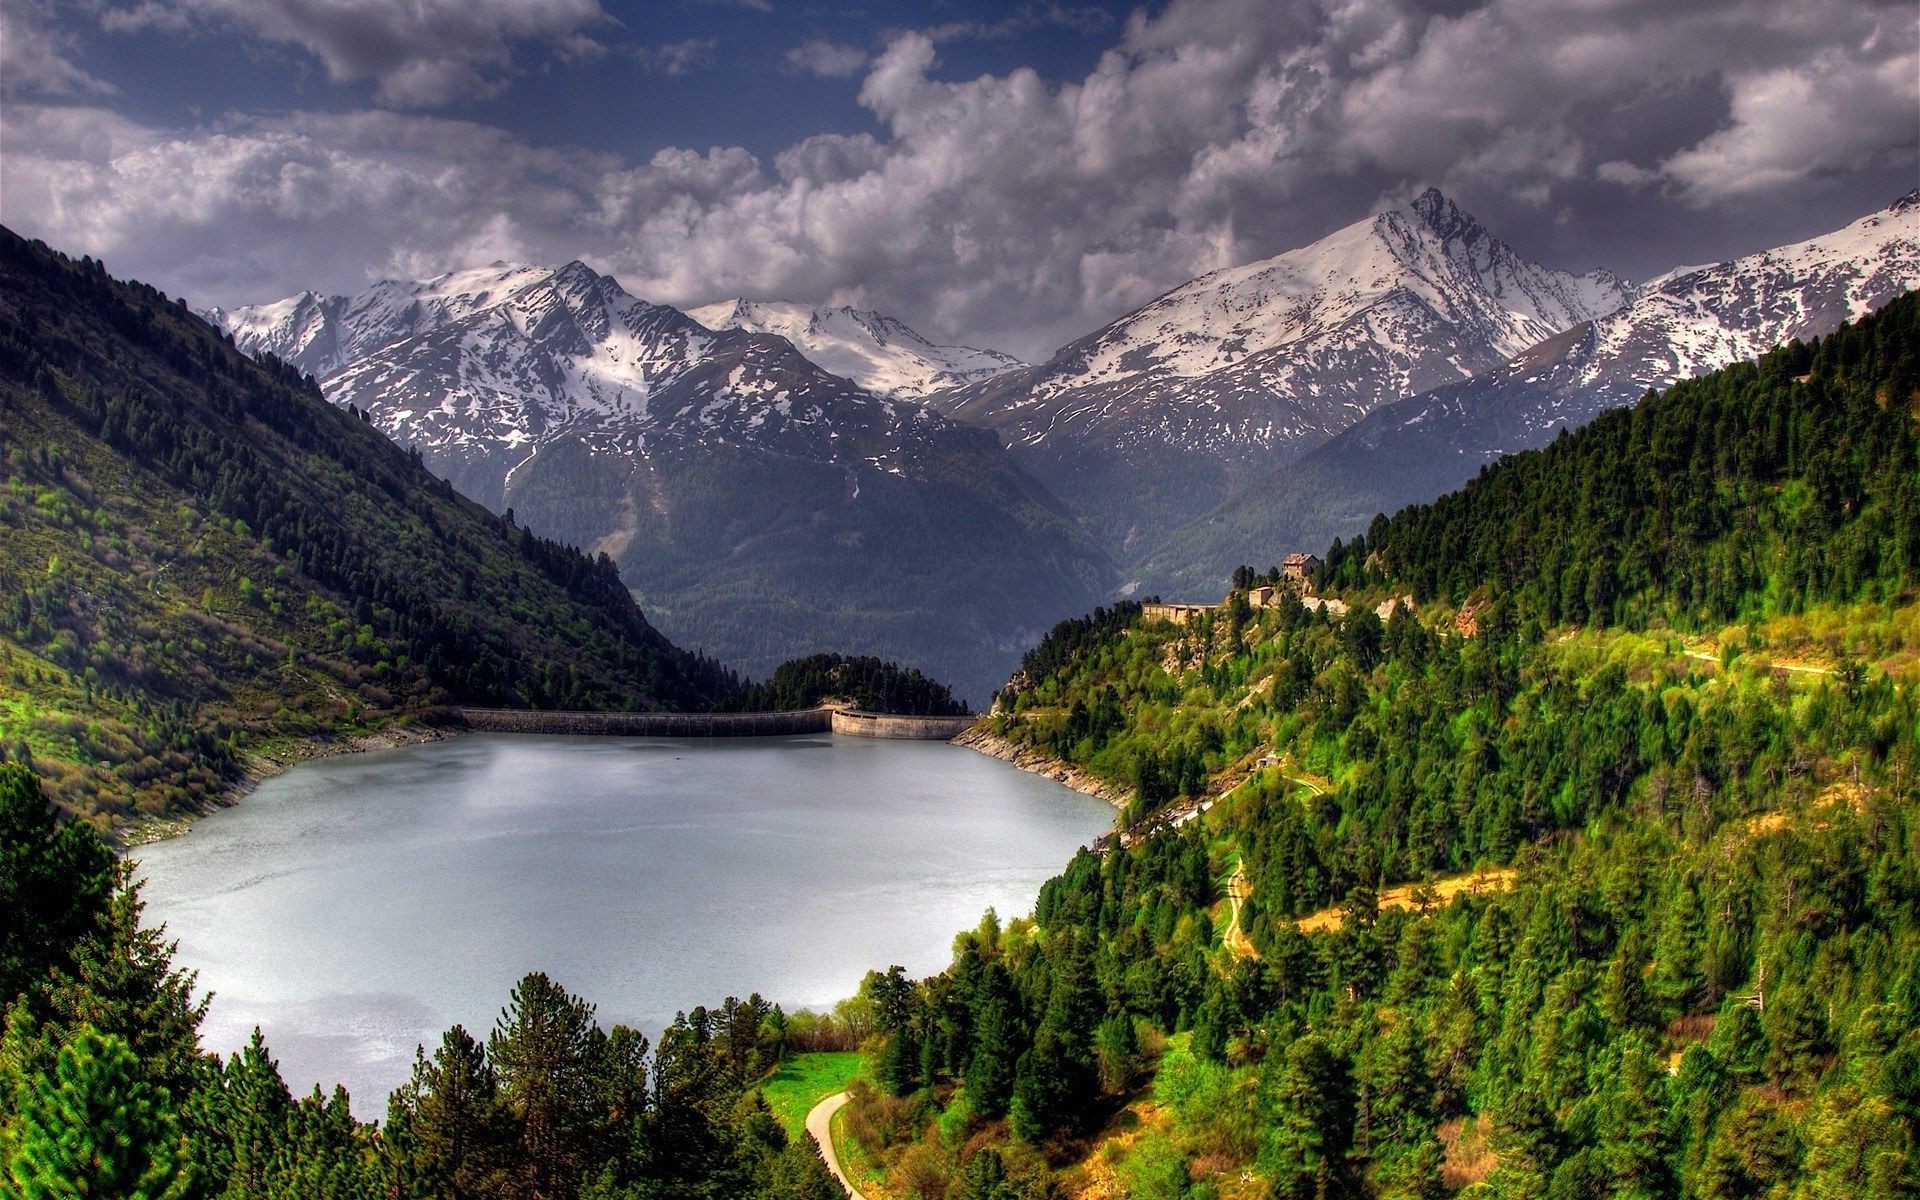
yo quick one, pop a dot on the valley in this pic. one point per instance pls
(1551, 836)
(1282, 404)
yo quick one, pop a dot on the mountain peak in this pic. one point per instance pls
(577, 274)
(1433, 211)
(1433, 206)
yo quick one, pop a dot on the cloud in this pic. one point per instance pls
(1014, 211)
(677, 58)
(1084, 19)
(36, 59)
(830, 60)
(418, 53)
(1826, 117)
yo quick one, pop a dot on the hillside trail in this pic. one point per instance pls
(1795, 668)
(1238, 889)
(820, 1129)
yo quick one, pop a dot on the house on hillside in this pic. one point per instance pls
(1299, 568)
(1179, 614)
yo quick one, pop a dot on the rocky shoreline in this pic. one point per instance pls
(279, 755)
(1027, 758)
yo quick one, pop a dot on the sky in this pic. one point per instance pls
(1008, 174)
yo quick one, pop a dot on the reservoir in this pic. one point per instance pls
(357, 906)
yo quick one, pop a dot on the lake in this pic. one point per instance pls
(355, 907)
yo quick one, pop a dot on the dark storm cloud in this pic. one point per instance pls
(1012, 209)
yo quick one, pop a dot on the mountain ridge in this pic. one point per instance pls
(205, 558)
(1243, 368)
(1677, 326)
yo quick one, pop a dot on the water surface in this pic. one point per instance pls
(355, 907)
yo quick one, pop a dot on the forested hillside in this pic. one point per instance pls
(199, 555)
(868, 682)
(1761, 489)
(1594, 873)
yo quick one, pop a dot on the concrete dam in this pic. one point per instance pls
(848, 721)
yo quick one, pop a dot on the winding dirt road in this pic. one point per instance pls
(820, 1129)
(1238, 889)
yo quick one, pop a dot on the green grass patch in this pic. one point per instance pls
(804, 1080)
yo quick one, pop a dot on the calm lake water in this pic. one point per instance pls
(355, 907)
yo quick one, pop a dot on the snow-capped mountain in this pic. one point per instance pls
(764, 507)
(1684, 323)
(882, 355)
(1247, 367)
(320, 334)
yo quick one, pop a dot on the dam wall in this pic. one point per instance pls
(847, 721)
(642, 724)
(854, 723)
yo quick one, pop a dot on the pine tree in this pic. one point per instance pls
(448, 1134)
(96, 1128)
(55, 881)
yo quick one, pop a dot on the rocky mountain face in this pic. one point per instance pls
(885, 356)
(1150, 421)
(760, 506)
(1684, 324)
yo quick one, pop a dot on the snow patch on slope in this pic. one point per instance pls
(883, 355)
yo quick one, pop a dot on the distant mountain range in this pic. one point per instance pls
(770, 483)
(761, 506)
(885, 356)
(1678, 326)
(1152, 420)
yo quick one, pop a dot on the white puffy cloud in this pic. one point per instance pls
(829, 60)
(1017, 211)
(1825, 117)
(419, 53)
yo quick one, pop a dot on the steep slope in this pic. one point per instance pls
(1145, 424)
(201, 556)
(762, 507)
(1680, 325)
(882, 355)
(1616, 895)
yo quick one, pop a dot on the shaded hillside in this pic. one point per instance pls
(1755, 491)
(200, 553)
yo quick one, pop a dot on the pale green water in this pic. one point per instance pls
(357, 906)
